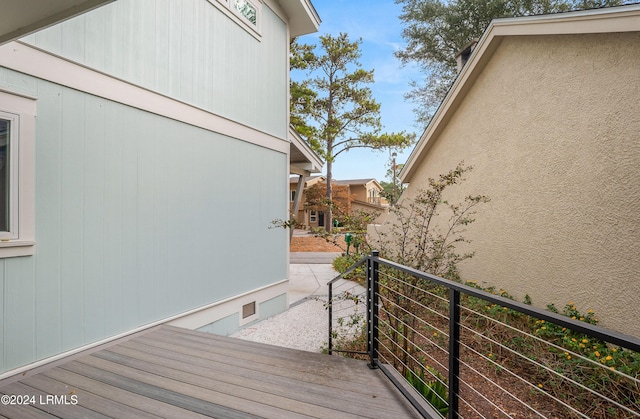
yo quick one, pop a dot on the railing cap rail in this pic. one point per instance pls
(612, 336)
(351, 269)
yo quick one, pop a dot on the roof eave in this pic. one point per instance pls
(312, 163)
(21, 18)
(605, 20)
(303, 17)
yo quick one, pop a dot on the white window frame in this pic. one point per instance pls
(313, 216)
(21, 111)
(228, 7)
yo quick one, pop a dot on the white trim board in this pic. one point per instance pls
(209, 314)
(37, 63)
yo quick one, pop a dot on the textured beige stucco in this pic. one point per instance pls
(552, 128)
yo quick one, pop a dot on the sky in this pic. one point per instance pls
(377, 23)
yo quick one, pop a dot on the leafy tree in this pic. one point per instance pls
(333, 108)
(390, 192)
(315, 199)
(435, 31)
(415, 235)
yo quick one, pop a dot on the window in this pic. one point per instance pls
(293, 196)
(313, 217)
(244, 12)
(17, 172)
(8, 125)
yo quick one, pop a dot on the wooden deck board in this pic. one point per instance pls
(173, 372)
(154, 407)
(238, 380)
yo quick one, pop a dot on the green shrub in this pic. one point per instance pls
(434, 392)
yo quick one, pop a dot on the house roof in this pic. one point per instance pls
(358, 182)
(22, 17)
(295, 179)
(302, 160)
(605, 20)
(303, 17)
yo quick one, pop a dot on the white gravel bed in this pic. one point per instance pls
(304, 327)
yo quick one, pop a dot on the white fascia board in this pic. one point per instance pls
(302, 16)
(40, 64)
(22, 17)
(314, 162)
(604, 20)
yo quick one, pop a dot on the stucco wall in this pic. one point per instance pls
(551, 127)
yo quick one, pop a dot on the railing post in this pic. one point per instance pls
(330, 302)
(372, 307)
(454, 352)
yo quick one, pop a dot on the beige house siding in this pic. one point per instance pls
(552, 129)
(359, 191)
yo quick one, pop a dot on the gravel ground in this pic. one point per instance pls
(304, 326)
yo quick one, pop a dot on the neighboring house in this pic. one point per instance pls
(545, 110)
(364, 192)
(303, 161)
(304, 216)
(148, 152)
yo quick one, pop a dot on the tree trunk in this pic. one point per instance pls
(328, 215)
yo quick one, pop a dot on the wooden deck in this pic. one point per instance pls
(177, 373)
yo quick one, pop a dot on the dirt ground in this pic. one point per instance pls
(315, 244)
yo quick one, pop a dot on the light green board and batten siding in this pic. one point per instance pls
(187, 50)
(140, 217)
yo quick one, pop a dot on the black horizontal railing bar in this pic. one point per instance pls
(550, 370)
(529, 335)
(415, 302)
(533, 388)
(611, 336)
(375, 304)
(502, 368)
(426, 354)
(485, 398)
(416, 331)
(413, 358)
(444, 300)
(422, 351)
(419, 333)
(351, 269)
(389, 350)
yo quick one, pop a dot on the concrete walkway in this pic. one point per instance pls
(314, 258)
(309, 273)
(308, 280)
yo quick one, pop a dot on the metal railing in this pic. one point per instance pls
(470, 352)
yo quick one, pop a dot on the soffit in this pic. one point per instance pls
(22, 17)
(303, 17)
(302, 159)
